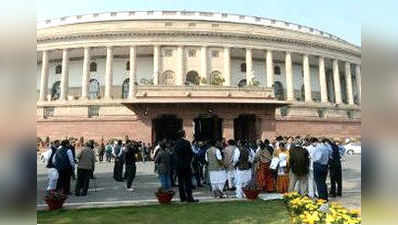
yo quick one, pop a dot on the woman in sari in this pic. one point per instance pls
(282, 181)
(263, 173)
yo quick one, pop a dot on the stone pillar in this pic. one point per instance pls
(348, 82)
(359, 79)
(86, 72)
(249, 66)
(307, 79)
(108, 73)
(270, 69)
(132, 72)
(203, 63)
(336, 78)
(188, 127)
(322, 80)
(228, 128)
(64, 75)
(227, 66)
(156, 62)
(180, 66)
(289, 77)
(44, 77)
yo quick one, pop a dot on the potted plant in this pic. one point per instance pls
(55, 200)
(251, 190)
(164, 196)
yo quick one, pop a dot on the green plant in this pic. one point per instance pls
(203, 80)
(217, 80)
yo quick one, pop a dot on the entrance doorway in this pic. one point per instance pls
(245, 127)
(208, 127)
(165, 126)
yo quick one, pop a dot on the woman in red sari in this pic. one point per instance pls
(263, 173)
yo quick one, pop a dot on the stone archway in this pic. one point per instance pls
(192, 78)
(167, 78)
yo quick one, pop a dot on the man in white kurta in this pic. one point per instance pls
(52, 172)
(217, 173)
(243, 170)
(312, 190)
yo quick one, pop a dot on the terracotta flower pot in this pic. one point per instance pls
(251, 194)
(164, 197)
(55, 204)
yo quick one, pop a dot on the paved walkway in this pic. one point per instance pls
(108, 192)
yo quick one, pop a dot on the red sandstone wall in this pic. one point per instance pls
(318, 128)
(95, 129)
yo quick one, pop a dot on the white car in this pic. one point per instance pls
(353, 148)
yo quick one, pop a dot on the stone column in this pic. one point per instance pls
(289, 77)
(307, 79)
(64, 75)
(132, 72)
(249, 66)
(180, 66)
(156, 62)
(336, 78)
(86, 72)
(322, 80)
(227, 66)
(359, 79)
(203, 63)
(348, 81)
(44, 77)
(108, 73)
(269, 69)
(228, 128)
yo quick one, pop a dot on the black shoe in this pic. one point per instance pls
(200, 185)
(193, 200)
(182, 200)
(332, 195)
(339, 195)
(77, 194)
(84, 194)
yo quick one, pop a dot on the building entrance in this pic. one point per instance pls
(245, 128)
(165, 126)
(207, 127)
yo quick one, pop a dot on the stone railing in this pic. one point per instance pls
(184, 15)
(205, 93)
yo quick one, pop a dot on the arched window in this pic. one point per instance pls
(167, 78)
(93, 67)
(192, 78)
(56, 90)
(125, 88)
(242, 83)
(58, 69)
(93, 89)
(128, 66)
(216, 78)
(277, 70)
(278, 89)
(243, 67)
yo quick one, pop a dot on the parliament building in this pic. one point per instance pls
(147, 74)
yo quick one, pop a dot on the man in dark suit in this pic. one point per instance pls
(184, 155)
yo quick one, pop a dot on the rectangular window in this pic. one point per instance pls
(192, 53)
(93, 111)
(214, 53)
(167, 52)
(48, 112)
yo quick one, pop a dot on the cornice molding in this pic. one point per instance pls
(306, 43)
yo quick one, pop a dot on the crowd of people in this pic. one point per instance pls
(283, 164)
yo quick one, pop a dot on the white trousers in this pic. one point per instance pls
(52, 179)
(312, 190)
(243, 178)
(231, 176)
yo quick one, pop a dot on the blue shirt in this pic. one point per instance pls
(321, 154)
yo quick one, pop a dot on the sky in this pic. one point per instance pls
(338, 17)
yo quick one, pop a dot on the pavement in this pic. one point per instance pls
(104, 191)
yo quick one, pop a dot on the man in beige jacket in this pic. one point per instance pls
(228, 163)
(85, 168)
